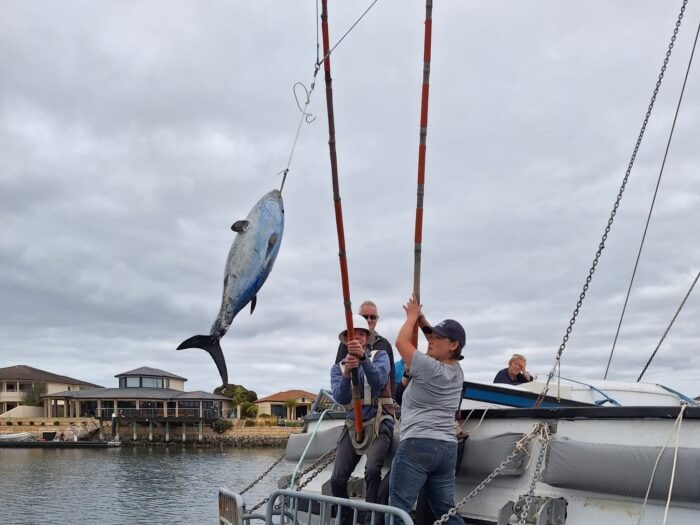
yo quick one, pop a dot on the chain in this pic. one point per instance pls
(601, 246)
(544, 438)
(261, 476)
(320, 464)
(519, 447)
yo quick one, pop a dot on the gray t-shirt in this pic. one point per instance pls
(431, 399)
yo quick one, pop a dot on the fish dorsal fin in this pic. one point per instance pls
(271, 243)
(240, 226)
(253, 302)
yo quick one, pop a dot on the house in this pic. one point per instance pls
(289, 404)
(143, 394)
(16, 381)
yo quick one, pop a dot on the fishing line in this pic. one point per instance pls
(305, 115)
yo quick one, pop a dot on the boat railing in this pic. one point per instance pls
(680, 396)
(297, 507)
(606, 397)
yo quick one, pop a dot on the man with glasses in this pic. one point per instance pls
(368, 310)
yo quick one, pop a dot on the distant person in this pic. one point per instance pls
(427, 453)
(369, 311)
(515, 374)
(374, 372)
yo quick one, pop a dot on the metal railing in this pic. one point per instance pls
(294, 507)
(153, 413)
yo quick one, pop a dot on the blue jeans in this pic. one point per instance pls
(428, 464)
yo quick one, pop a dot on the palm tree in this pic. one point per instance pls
(239, 397)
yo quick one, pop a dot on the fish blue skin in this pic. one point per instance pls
(248, 265)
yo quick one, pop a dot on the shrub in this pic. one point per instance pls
(43, 423)
(56, 423)
(293, 423)
(9, 423)
(221, 425)
(19, 423)
(249, 423)
(31, 423)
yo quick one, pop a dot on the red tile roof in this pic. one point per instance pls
(281, 397)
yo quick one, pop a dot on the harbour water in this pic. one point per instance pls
(129, 485)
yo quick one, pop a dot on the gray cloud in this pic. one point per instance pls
(133, 135)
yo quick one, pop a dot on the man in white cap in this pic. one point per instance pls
(368, 310)
(377, 414)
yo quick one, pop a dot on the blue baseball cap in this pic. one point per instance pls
(452, 330)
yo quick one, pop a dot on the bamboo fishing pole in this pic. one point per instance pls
(354, 377)
(418, 237)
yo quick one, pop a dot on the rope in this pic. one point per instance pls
(668, 328)
(601, 246)
(477, 425)
(675, 462)
(653, 201)
(677, 423)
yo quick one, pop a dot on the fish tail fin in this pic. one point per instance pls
(210, 344)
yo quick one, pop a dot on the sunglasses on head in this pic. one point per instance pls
(370, 317)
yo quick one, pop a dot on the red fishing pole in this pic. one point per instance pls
(356, 395)
(418, 237)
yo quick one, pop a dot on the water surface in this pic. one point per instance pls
(129, 485)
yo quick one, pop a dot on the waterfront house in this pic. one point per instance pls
(289, 404)
(143, 394)
(16, 381)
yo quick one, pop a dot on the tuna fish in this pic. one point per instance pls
(248, 264)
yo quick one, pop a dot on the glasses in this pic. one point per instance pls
(370, 317)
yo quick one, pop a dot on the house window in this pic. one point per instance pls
(278, 411)
(152, 382)
(11, 387)
(133, 382)
(25, 387)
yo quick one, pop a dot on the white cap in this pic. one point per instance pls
(358, 323)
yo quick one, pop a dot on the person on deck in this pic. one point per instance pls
(373, 369)
(369, 311)
(515, 374)
(427, 453)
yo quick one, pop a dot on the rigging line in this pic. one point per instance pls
(653, 201)
(609, 224)
(668, 329)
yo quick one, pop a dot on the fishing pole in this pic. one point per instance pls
(418, 237)
(354, 376)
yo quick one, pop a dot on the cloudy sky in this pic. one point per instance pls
(133, 134)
